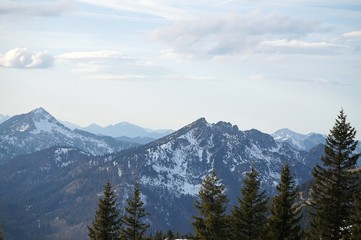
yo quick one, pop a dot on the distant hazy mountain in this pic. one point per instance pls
(297, 140)
(139, 140)
(126, 129)
(70, 125)
(54, 192)
(38, 130)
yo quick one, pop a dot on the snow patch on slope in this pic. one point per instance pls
(46, 124)
(173, 172)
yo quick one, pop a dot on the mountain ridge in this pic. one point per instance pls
(37, 129)
(126, 129)
(169, 171)
(298, 140)
(53, 192)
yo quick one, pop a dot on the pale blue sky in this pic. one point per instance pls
(163, 64)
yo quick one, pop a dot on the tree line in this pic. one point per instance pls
(334, 205)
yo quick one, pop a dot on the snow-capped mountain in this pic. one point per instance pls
(179, 161)
(57, 189)
(306, 142)
(126, 129)
(38, 130)
(297, 140)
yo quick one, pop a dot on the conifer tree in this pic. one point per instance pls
(356, 216)
(106, 225)
(334, 188)
(134, 226)
(158, 235)
(212, 224)
(170, 235)
(1, 233)
(284, 222)
(249, 218)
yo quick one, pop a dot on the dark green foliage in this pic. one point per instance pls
(212, 203)
(356, 216)
(134, 226)
(334, 188)
(1, 233)
(284, 222)
(106, 225)
(249, 218)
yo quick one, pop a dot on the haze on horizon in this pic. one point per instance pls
(161, 64)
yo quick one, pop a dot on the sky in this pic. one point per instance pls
(162, 64)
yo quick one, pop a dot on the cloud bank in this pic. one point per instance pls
(356, 35)
(34, 8)
(233, 34)
(92, 55)
(23, 58)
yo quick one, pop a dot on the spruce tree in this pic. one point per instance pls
(332, 193)
(1, 233)
(249, 218)
(106, 225)
(134, 226)
(158, 235)
(356, 215)
(284, 222)
(170, 235)
(212, 224)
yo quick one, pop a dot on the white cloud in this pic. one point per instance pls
(23, 58)
(157, 8)
(34, 8)
(231, 34)
(109, 65)
(356, 35)
(179, 77)
(114, 77)
(175, 56)
(91, 55)
(257, 77)
(285, 46)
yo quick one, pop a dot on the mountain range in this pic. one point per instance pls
(126, 129)
(297, 140)
(303, 142)
(38, 130)
(122, 131)
(52, 193)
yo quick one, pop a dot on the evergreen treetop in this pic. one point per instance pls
(134, 227)
(249, 218)
(106, 225)
(333, 192)
(212, 224)
(285, 212)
